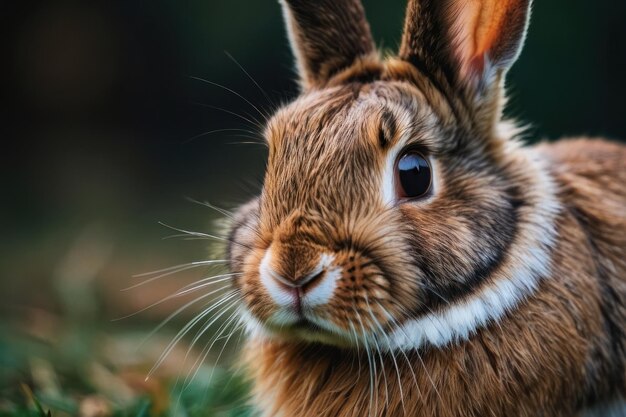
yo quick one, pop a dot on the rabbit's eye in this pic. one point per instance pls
(414, 175)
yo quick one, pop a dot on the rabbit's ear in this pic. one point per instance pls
(326, 36)
(470, 41)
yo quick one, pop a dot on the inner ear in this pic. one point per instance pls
(471, 41)
(487, 36)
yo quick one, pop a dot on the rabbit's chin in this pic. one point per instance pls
(303, 331)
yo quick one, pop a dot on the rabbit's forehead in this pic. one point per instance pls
(367, 116)
(336, 146)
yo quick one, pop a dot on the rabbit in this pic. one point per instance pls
(408, 255)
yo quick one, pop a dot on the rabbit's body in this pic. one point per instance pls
(407, 256)
(558, 352)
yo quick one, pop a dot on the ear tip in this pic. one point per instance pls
(326, 36)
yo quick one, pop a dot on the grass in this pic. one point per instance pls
(79, 371)
(93, 374)
(62, 355)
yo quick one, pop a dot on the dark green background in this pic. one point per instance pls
(97, 110)
(98, 107)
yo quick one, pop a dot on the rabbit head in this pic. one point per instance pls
(394, 193)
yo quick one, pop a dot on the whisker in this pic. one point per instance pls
(267, 97)
(420, 359)
(254, 141)
(172, 272)
(242, 326)
(205, 235)
(232, 302)
(210, 132)
(177, 312)
(205, 282)
(230, 90)
(192, 264)
(229, 215)
(220, 210)
(371, 364)
(191, 345)
(156, 303)
(406, 358)
(212, 342)
(380, 357)
(393, 357)
(356, 340)
(254, 123)
(185, 330)
(205, 352)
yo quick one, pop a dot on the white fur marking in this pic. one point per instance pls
(323, 290)
(253, 326)
(280, 295)
(388, 186)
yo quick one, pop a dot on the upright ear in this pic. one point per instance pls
(326, 37)
(470, 42)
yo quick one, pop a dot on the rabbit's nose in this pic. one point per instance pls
(301, 281)
(300, 290)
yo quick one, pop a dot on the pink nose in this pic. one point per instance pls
(298, 287)
(288, 287)
(302, 282)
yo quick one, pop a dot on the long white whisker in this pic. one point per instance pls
(199, 333)
(193, 264)
(177, 312)
(184, 331)
(210, 132)
(255, 124)
(212, 207)
(217, 337)
(172, 270)
(205, 282)
(356, 339)
(156, 303)
(406, 358)
(229, 302)
(241, 325)
(382, 332)
(267, 97)
(203, 235)
(230, 90)
(226, 213)
(205, 352)
(371, 365)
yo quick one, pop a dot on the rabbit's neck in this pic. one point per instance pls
(525, 264)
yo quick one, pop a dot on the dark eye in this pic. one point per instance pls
(414, 175)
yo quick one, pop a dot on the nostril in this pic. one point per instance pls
(300, 282)
(310, 278)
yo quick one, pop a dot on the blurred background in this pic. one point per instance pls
(109, 129)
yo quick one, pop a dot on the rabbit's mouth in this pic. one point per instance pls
(305, 329)
(308, 284)
(342, 298)
(306, 325)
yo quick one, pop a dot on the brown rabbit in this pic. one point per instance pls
(407, 255)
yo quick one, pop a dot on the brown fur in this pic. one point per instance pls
(558, 352)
